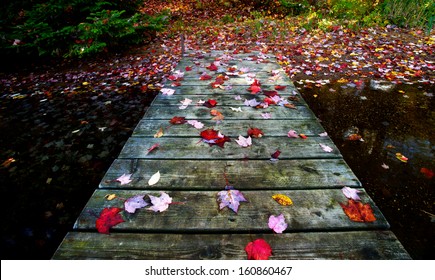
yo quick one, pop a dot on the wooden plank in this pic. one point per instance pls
(235, 90)
(262, 148)
(237, 81)
(203, 113)
(221, 98)
(244, 175)
(198, 211)
(353, 245)
(232, 128)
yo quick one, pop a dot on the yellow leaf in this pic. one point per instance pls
(159, 133)
(282, 199)
(110, 196)
(401, 157)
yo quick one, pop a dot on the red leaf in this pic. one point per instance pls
(213, 137)
(178, 120)
(270, 93)
(358, 212)
(205, 77)
(427, 172)
(255, 132)
(212, 67)
(210, 103)
(280, 87)
(188, 68)
(258, 250)
(109, 217)
(209, 134)
(276, 154)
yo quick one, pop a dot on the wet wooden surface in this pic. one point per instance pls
(193, 172)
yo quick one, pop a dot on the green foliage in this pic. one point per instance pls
(227, 19)
(76, 27)
(409, 13)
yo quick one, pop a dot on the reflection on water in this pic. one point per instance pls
(393, 120)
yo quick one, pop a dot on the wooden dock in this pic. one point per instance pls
(193, 172)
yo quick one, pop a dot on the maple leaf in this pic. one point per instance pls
(358, 212)
(255, 132)
(277, 223)
(167, 91)
(161, 203)
(323, 134)
(270, 93)
(276, 154)
(252, 103)
(184, 103)
(351, 193)
(188, 68)
(178, 120)
(384, 166)
(205, 77)
(212, 67)
(266, 115)
(196, 124)
(401, 157)
(124, 179)
(153, 147)
(109, 217)
(282, 199)
(159, 133)
(213, 137)
(218, 115)
(210, 103)
(326, 148)
(238, 109)
(230, 198)
(244, 142)
(135, 202)
(258, 249)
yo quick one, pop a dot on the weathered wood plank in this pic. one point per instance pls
(352, 245)
(232, 128)
(244, 175)
(235, 90)
(222, 99)
(262, 148)
(263, 77)
(198, 211)
(203, 113)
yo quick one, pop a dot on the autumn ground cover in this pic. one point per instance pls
(63, 123)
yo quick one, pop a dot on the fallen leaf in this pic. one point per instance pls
(230, 198)
(7, 162)
(210, 103)
(426, 172)
(277, 223)
(323, 134)
(167, 91)
(238, 109)
(266, 115)
(282, 199)
(185, 103)
(111, 196)
(276, 154)
(280, 87)
(124, 179)
(109, 217)
(303, 136)
(178, 120)
(217, 115)
(196, 124)
(326, 148)
(154, 179)
(135, 202)
(258, 249)
(214, 137)
(292, 134)
(161, 203)
(358, 212)
(153, 147)
(212, 67)
(244, 142)
(205, 77)
(354, 137)
(255, 132)
(401, 157)
(351, 193)
(384, 166)
(159, 133)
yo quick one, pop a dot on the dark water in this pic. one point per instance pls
(401, 120)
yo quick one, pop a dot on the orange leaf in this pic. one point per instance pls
(358, 212)
(282, 199)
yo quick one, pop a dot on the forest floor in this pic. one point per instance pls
(64, 122)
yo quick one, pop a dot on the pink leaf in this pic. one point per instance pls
(167, 91)
(230, 198)
(161, 203)
(251, 103)
(266, 115)
(196, 124)
(351, 193)
(135, 202)
(124, 179)
(277, 224)
(184, 103)
(292, 134)
(326, 148)
(244, 142)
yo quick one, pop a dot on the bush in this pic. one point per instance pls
(75, 27)
(409, 13)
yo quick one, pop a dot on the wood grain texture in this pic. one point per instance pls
(262, 148)
(231, 128)
(352, 245)
(198, 211)
(248, 113)
(244, 175)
